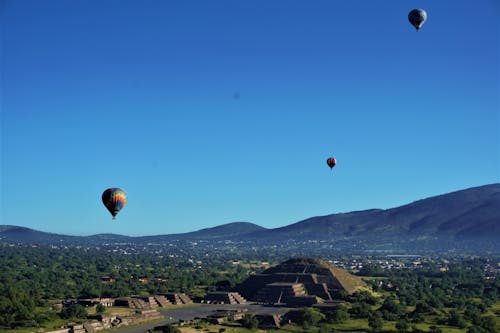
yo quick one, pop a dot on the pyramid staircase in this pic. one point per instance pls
(162, 301)
(177, 298)
(185, 299)
(280, 292)
(138, 303)
(222, 297)
(238, 298)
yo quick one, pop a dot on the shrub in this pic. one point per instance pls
(100, 308)
(73, 311)
(250, 322)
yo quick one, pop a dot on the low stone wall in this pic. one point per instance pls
(105, 321)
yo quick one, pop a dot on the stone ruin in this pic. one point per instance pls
(177, 298)
(223, 297)
(143, 302)
(152, 302)
(299, 282)
(106, 321)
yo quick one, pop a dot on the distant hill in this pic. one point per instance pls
(470, 214)
(467, 214)
(224, 231)
(26, 235)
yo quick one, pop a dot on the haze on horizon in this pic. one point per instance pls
(213, 112)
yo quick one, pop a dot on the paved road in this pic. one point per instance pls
(204, 310)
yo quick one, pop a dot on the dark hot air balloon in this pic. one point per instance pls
(331, 162)
(417, 17)
(114, 199)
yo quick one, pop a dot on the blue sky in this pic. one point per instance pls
(209, 112)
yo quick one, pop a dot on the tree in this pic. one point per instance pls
(371, 270)
(250, 322)
(16, 308)
(375, 321)
(417, 317)
(475, 329)
(360, 310)
(402, 326)
(323, 328)
(100, 308)
(338, 315)
(487, 323)
(392, 310)
(73, 311)
(423, 307)
(364, 297)
(311, 316)
(89, 291)
(456, 319)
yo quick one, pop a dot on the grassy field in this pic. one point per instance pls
(120, 311)
(49, 326)
(350, 326)
(215, 329)
(58, 323)
(495, 312)
(236, 328)
(114, 310)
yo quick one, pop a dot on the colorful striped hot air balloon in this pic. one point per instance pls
(114, 199)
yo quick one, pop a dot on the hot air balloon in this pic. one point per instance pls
(331, 162)
(417, 17)
(114, 199)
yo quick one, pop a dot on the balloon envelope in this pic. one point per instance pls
(331, 162)
(114, 199)
(417, 17)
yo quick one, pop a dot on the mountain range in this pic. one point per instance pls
(470, 214)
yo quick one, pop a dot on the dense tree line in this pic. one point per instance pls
(459, 297)
(32, 278)
(463, 289)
